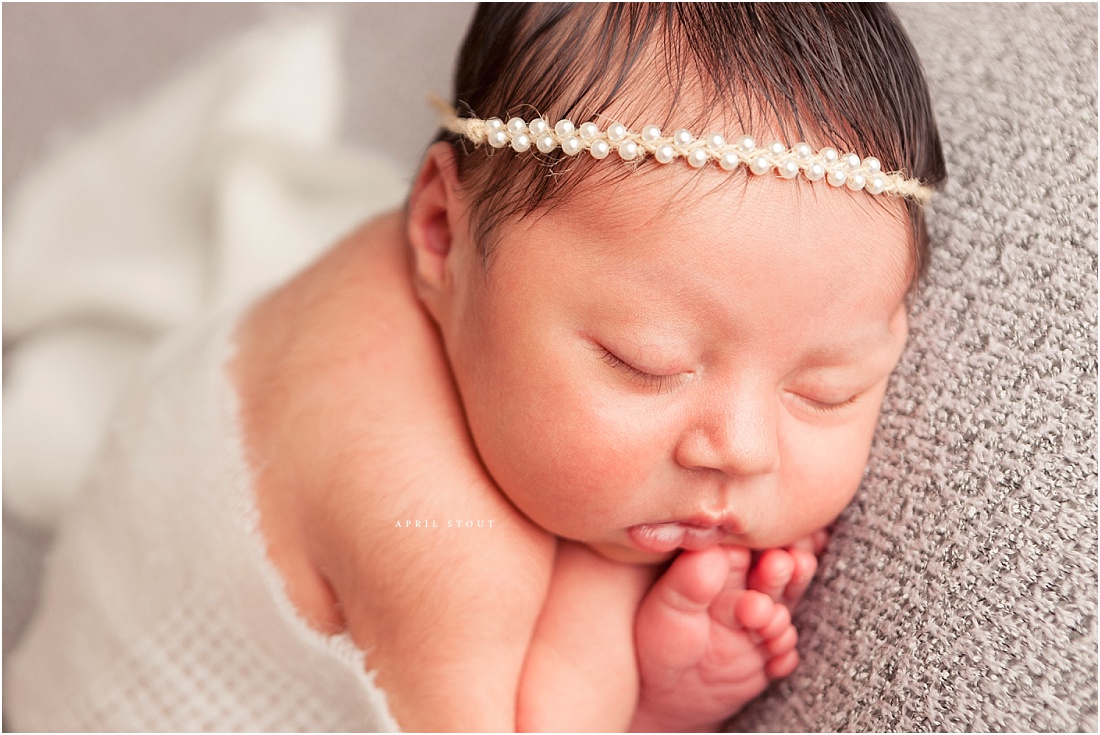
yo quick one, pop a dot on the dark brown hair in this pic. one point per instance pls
(843, 75)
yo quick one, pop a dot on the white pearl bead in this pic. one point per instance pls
(729, 161)
(789, 170)
(546, 143)
(839, 170)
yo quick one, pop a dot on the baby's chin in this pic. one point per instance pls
(628, 555)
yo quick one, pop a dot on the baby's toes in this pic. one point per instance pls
(778, 623)
(782, 643)
(692, 581)
(782, 665)
(680, 598)
(805, 567)
(779, 641)
(773, 573)
(754, 611)
(740, 559)
(673, 623)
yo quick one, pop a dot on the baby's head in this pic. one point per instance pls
(657, 348)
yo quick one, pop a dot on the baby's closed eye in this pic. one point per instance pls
(657, 378)
(827, 404)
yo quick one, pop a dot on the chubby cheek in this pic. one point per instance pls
(556, 449)
(822, 475)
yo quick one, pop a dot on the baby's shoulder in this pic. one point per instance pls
(358, 295)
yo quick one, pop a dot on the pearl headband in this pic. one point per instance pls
(827, 163)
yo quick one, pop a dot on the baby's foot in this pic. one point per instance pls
(707, 644)
(785, 574)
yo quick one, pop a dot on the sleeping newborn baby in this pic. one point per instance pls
(556, 445)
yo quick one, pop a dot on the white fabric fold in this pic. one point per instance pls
(212, 188)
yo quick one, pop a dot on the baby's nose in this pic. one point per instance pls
(736, 437)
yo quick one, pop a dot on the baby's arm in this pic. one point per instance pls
(581, 674)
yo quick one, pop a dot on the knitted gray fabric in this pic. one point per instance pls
(959, 591)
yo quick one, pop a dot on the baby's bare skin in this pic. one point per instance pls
(715, 630)
(347, 417)
(352, 425)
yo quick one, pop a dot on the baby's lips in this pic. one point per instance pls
(703, 538)
(661, 538)
(657, 538)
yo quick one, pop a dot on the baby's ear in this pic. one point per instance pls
(432, 216)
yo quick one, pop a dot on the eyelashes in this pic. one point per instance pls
(828, 409)
(663, 383)
(658, 383)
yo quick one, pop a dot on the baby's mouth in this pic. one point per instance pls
(661, 538)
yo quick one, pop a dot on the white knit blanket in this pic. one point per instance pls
(160, 610)
(218, 185)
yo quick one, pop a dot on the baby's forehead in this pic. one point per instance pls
(675, 222)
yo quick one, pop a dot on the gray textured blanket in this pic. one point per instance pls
(959, 592)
